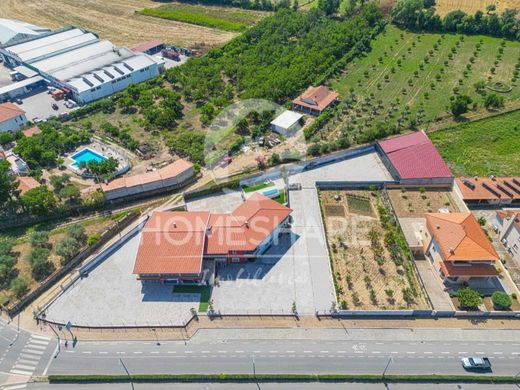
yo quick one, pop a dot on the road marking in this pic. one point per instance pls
(27, 361)
(376, 352)
(32, 351)
(394, 353)
(289, 351)
(307, 351)
(239, 351)
(206, 352)
(24, 367)
(87, 352)
(222, 351)
(41, 347)
(35, 336)
(497, 353)
(103, 352)
(137, 353)
(324, 351)
(256, 351)
(154, 352)
(410, 353)
(21, 372)
(515, 353)
(172, 352)
(188, 351)
(480, 353)
(445, 353)
(27, 356)
(427, 353)
(39, 342)
(273, 351)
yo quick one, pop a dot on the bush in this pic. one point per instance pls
(93, 239)
(501, 300)
(67, 249)
(468, 298)
(19, 287)
(39, 239)
(77, 232)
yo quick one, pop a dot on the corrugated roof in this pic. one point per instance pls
(484, 188)
(460, 237)
(415, 157)
(286, 119)
(473, 270)
(9, 111)
(147, 45)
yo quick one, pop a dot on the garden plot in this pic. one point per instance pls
(414, 203)
(370, 262)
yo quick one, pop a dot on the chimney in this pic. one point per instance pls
(437, 227)
(452, 251)
(174, 224)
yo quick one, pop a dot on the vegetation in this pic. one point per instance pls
(204, 291)
(420, 15)
(501, 300)
(468, 299)
(482, 148)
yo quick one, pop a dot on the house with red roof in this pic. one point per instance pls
(177, 246)
(315, 100)
(12, 117)
(492, 191)
(508, 229)
(413, 159)
(459, 248)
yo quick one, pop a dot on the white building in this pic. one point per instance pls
(12, 31)
(12, 117)
(287, 123)
(508, 223)
(78, 61)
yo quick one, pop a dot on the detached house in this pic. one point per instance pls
(459, 248)
(508, 226)
(315, 100)
(11, 117)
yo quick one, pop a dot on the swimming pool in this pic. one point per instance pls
(86, 155)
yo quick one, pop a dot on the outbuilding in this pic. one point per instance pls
(289, 122)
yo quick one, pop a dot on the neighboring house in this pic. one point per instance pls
(171, 176)
(31, 131)
(315, 100)
(12, 30)
(459, 248)
(18, 165)
(184, 246)
(413, 159)
(288, 123)
(12, 117)
(26, 183)
(493, 191)
(508, 224)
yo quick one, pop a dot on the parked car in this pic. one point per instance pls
(476, 363)
(18, 101)
(54, 106)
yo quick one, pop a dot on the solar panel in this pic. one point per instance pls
(492, 190)
(469, 184)
(503, 189)
(516, 181)
(512, 186)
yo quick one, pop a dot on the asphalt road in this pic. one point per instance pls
(269, 386)
(325, 351)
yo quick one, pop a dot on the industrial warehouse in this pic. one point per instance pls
(78, 63)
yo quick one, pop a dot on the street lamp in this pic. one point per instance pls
(127, 373)
(386, 368)
(156, 337)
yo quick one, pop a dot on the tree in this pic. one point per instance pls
(19, 286)
(468, 298)
(104, 167)
(7, 263)
(77, 231)
(501, 300)
(39, 239)
(275, 159)
(42, 269)
(39, 201)
(71, 192)
(460, 105)
(8, 183)
(59, 181)
(493, 101)
(67, 249)
(329, 7)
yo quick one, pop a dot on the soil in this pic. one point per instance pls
(115, 20)
(350, 234)
(414, 204)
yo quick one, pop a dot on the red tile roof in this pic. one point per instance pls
(478, 270)
(510, 214)
(31, 131)
(9, 111)
(175, 242)
(415, 157)
(485, 188)
(316, 98)
(26, 183)
(460, 237)
(147, 45)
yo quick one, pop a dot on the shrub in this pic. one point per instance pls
(39, 239)
(468, 298)
(77, 231)
(19, 287)
(67, 249)
(501, 300)
(93, 238)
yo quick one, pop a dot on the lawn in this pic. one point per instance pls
(282, 198)
(482, 148)
(222, 18)
(204, 291)
(258, 187)
(408, 78)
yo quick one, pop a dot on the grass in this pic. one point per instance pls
(282, 198)
(482, 148)
(359, 205)
(257, 187)
(213, 17)
(377, 88)
(204, 291)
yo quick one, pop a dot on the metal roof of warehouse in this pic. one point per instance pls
(415, 157)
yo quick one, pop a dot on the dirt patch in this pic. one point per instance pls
(115, 20)
(368, 273)
(412, 203)
(444, 7)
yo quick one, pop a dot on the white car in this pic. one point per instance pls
(476, 363)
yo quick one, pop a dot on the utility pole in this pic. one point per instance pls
(59, 341)
(127, 373)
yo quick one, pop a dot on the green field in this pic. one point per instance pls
(482, 148)
(213, 17)
(408, 78)
(204, 291)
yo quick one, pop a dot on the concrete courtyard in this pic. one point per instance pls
(111, 295)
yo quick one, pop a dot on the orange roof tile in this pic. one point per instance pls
(9, 111)
(175, 169)
(31, 131)
(510, 214)
(26, 183)
(460, 237)
(449, 269)
(317, 98)
(484, 188)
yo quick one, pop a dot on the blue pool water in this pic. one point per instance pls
(86, 155)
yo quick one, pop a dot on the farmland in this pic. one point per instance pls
(486, 147)
(407, 79)
(222, 18)
(444, 7)
(117, 21)
(371, 268)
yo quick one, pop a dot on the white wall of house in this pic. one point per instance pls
(508, 231)
(13, 124)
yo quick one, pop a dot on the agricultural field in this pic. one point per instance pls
(415, 202)
(444, 7)
(370, 261)
(222, 18)
(118, 21)
(486, 147)
(407, 80)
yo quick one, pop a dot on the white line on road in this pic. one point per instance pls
(24, 367)
(35, 336)
(21, 372)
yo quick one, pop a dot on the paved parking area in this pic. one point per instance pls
(224, 202)
(5, 79)
(39, 105)
(111, 295)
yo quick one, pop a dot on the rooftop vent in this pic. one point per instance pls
(452, 251)
(174, 224)
(87, 81)
(437, 227)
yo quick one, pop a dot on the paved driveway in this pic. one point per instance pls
(224, 202)
(111, 295)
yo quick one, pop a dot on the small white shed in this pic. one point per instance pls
(287, 123)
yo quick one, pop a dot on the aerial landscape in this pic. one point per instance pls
(221, 194)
